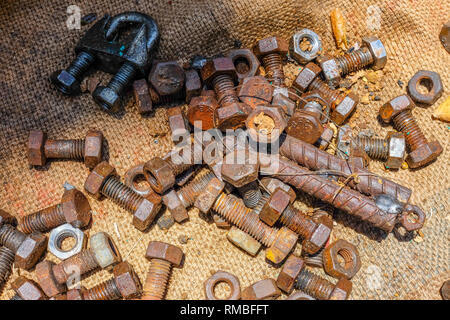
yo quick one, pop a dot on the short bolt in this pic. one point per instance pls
(376, 148)
(271, 52)
(314, 285)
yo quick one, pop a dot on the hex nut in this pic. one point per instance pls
(377, 50)
(36, 148)
(127, 280)
(289, 273)
(345, 108)
(231, 116)
(175, 206)
(271, 184)
(218, 66)
(263, 134)
(397, 150)
(284, 243)
(424, 155)
(262, 290)
(270, 45)
(97, 178)
(47, 280)
(142, 96)
(254, 91)
(243, 241)
(432, 81)
(93, 148)
(222, 276)
(105, 250)
(62, 232)
(306, 77)
(318, 238)
(167, 78)
(164, 251)
(392, 108)
(331, 259)
(205, 200)
(146, 211)
(27, 289)
(159, 174)
(305, 56)
(31, 250)
(245, 63)
(107, 98)
(201, 112)
(342, 290)
(274, 207)
(76, 208)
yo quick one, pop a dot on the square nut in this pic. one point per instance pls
(244, 241)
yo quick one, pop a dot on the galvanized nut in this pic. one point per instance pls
(295, 46)
(59, 234)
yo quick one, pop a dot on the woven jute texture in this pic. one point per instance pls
(35, 41)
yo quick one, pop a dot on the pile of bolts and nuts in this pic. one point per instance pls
(252, 198)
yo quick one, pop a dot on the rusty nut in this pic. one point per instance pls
(164, 251)
(432, 81)
(265, 124)
(262, 290)
(231, 116)
(271, 184)
(330, 69)
(345, 108)
(392, 108)
(397, 150)
(127, 280)
(245, 63)
(332, 256)
(159, 174)
(289, 273)
(313, 50)
(284, 243)
(167, 78)
(175, 206)
(239, 168)
(201, 112)
(97, 177)
(46, 279)
(228, 278)
(133, 176)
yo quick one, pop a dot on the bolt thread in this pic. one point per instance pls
(274, 68)
(65, 149)
(123, 195)
(354, 61)
(224, 88)
(80, 65)
(251, 194)
(157, 278)
(43, 220)
(298, 222)
(6, 263)
(375, 148)
(11, 238)
(122, 78)
(244, 218)
(314, 260)
(314, 285)
(84, 262)
(189, 192)
(333, 96)
(179, 168)
(104, 291)
(405, 122)
(16, 297)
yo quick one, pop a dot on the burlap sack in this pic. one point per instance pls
(35, 41)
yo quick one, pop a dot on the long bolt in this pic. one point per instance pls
(6, 263)
(191, 190)
(120, 193)
(376, 148)
(314, 285)
(106, 290)
(155, 285)
(405, 122)
(313, 158)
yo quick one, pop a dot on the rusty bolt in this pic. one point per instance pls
(74, 208)
(423, 152)
(228, 278)
(305, 124)
(193, 86)
(372, 53)
(28, 249)
(293, 274)
(26, 289)
(40, 148)
(124, 285)
(432, 81)
(103, 181)
(6, 264)
(271, 51)
(162, 257)
(332, 263)
(279, 207)
(271, 184)
(167, 79)
(254, 91)
(342, 105)
(103, 254)
(392, 149)
(245, 63)
(262, 290)
(280, 241)
(142, 96)
(241, 170)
